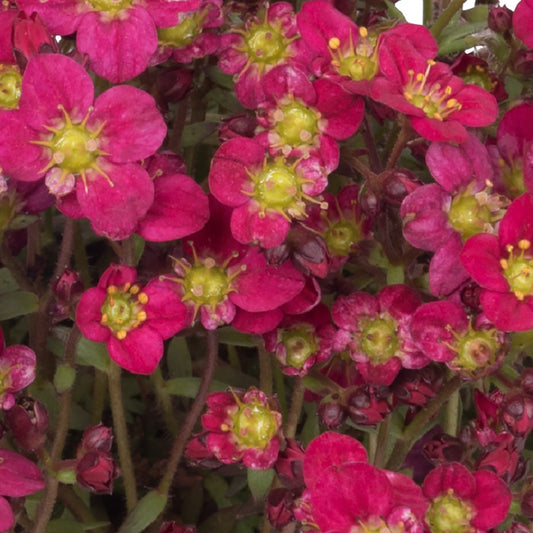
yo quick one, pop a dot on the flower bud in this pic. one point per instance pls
(523, 61)
(243, 125)
(517, 414)
(500, 19)
(396, 184)
(331, 411)
(95, 471)
(279, 507)
(67, 291)
(97, 437)
(28, 421)
(172, 527)
(367, 405)
(444, 449)
(526, 381)
(417, 387)
(289, 465)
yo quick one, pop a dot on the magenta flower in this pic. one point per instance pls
(132, 320)
(271, 38)
(301, 117)
(192, 37)
(445, 334)
(119, 38)
(439, 105)
(502, 265)
(17, 371)
(18, 477)
(266, 193)
(224, 282)
(350, 55)
(86, 149)
(476, 501)
(302, 341)
(243, 427)
(523, 22)
(375, 331)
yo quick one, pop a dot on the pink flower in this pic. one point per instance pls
(301, 117)
(266, 193)
(444, 332)
(502, 265)
(131, 319)
(271, 38)
(224, 282)
(439, 105)
(243, 427)
(17, 371)
(523, 22)
(86, 149)
(479, 501)
(18, 477)
(375, 331)
(118, 38)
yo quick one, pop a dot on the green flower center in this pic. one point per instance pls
(266, 44)
(379, 340)
(206, 284)
(477, 75)
(341, 236)
(356, 62)
(450, 514)
(297, 124)
(122, 310)
(254, 426)
(184, 33)
(513, 176)
(10, 83)
(433, 100)
(468, 216)
(110, 6)
(278, 187)
(300, 343)
(518, 270)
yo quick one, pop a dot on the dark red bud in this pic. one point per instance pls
(279, 506)
(97, 437)
(289, 466)
(243, 125)
(331, 411)
(172, 527)
(95, 471)
(500, 19)
(517, 414)
(523, 61)
(367, 405)
(397, 184)
(526, 381)
(28, 421)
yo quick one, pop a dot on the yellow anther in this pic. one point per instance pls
(121, 335)
(334, 43)
(448, 90)
(452, 102)
(524, 244)
(104, 319)
(519, 295)
(112, 289)
(127, 285)
(504, 264)
(134, 289)
(142, 298)
(141, 316)
(509, 248)
(363, 32)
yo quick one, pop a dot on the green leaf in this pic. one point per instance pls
(219, 77)
(91, 353)
(458, 37)
(188, 387)
(7, 281)
(259, 482)
(477, 14)
(194, 134)
(179, 361)
(18, 303)
(393, 12)
(230, 336)
(144, 513)
(64, 378)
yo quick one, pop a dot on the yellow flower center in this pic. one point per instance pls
(254, 425)
(10, 83)
(450, 514)
(518, 269)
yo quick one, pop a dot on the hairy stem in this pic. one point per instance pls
(295, 410)
(445, 17)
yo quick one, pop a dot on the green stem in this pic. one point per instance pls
(295, 411)
(403, 137)
(428, 13)
(451, 419)
(121, 434)
(46, 505)
(77, 507)
(164, 400)
(445, 17)
(419, 422)
(370, 143)
(196, 409)
(381, 442)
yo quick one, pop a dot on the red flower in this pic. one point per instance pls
(132, 320)
(438, 104)
(502, 265)
(523, 22)
(478, 500)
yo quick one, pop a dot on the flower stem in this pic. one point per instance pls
(265, 369)
(164, 401)
(46, 505)
(196, 409)
(445, 17)
(121, 434)
(381, 444)
(451, 420)
(297, 401)
(419, 422)
(427, 12)
(403, 137)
